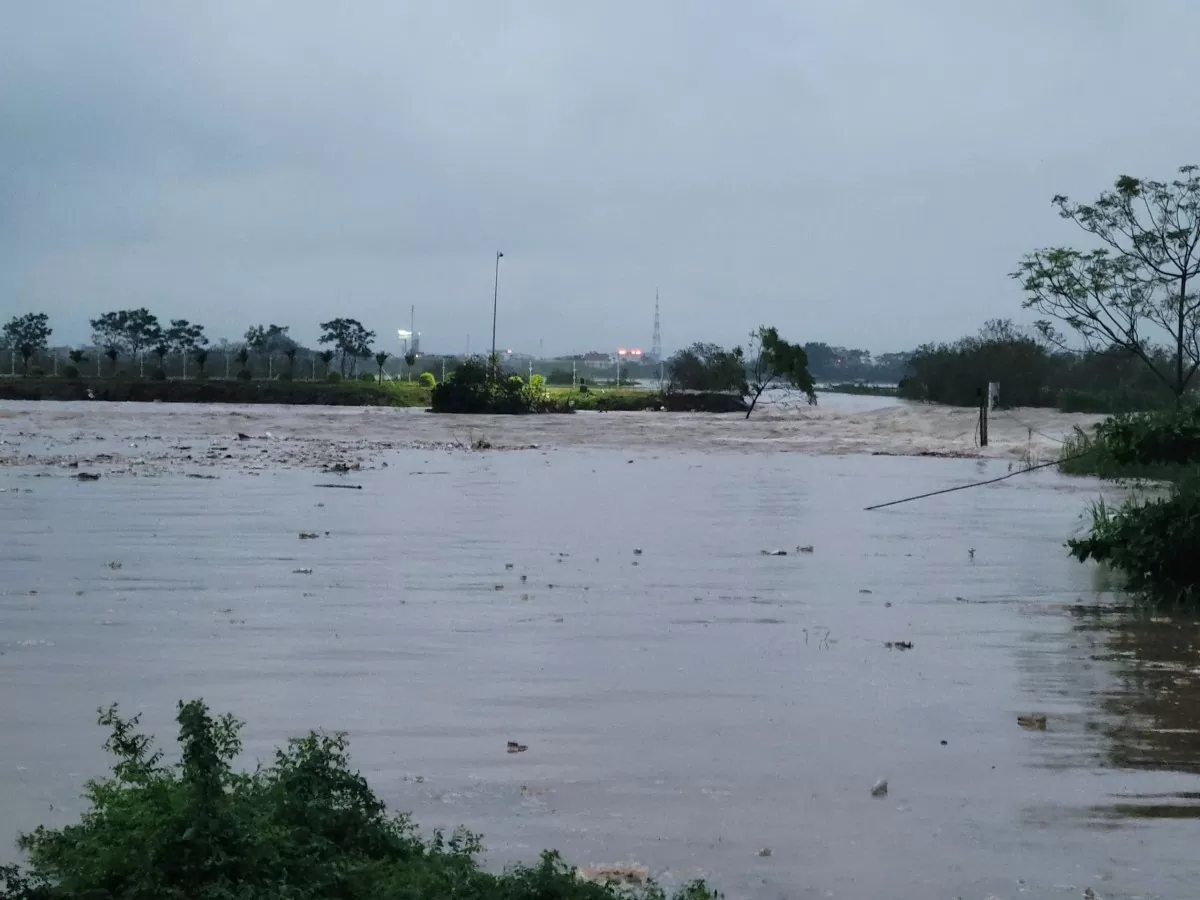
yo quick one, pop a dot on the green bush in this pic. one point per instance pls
(334, 377)
(36, 372)
(304, 826)
(158, 374)
(244, 375)
(71, 372)
(1153, 543)
(426, 380)
(367, 377)
(285, 376)
(472, 389)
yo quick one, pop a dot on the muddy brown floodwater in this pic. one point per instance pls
(684, 706)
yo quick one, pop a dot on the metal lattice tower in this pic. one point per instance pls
(656, 342)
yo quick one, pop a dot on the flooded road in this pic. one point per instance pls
(685, 706)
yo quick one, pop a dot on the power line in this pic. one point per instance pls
(963, 487)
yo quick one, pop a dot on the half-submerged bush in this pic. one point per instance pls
(473, 388)
(304, 827)
(1154, 544)
(1158, 445)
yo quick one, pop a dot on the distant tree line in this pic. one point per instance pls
(180, 348)
(1031, 371)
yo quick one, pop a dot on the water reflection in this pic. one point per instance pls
(1149, 710)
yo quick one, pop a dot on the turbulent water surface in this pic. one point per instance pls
(687, 701)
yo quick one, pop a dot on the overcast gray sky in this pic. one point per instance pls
(863, 172)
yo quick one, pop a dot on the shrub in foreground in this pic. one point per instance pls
(1154, 544)
(304, 827)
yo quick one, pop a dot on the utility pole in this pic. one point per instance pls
(495, 298)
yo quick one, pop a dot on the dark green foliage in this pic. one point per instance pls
(334, 377)
(270, 339)
(1154, 544)
(380, 358)
(244, 374)
(159, 374)
(426, 380)
(1159, 445)
(70, 372)
(368, 377)
(27, 335)
(304, 826)
(774, 363)
(349, 338)
(560, 378)
(131, 330)
(473, 389)
(1136, 291)
(1030, 372)
(708, 367)
(285, 376)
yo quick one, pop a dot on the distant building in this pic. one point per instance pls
(597, 360)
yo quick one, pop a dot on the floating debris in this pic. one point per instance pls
(637, 551)
(633, 874)
(524, 578)
(301, 571)
(807, 548)
(114, 564)
(898, 645)
(863, 591)
(87, 476)
(508, 566)
(202, 477)
(349, 487)
(308, 535)
(514, 747)
(772, 553)
(879, 788)
(764, 852)
(1035, 722)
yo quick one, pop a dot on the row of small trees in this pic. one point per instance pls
(138, 332)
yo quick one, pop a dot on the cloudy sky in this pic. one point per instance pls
(863, 172)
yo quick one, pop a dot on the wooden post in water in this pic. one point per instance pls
(983, 417)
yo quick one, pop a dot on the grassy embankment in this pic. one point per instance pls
(303, 825)
(639, 400)
(218, 390)
(343, 393)
(1153, 538)
(853, 387)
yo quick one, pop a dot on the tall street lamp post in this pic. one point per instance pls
(495, 297)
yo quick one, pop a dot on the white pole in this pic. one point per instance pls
(443, 368)
(574, 380)
(314, 364)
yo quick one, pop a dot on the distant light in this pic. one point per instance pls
(402, 334)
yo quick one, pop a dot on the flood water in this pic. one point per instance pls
(684, 707)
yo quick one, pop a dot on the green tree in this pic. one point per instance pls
(349, 338)
(1138, 291)
(112, 352)
(774, 363)
(290, 353)
(161, 349)
(326, 357)
(131, 330)
(200, 354)
(380, 358)
(243, 358)
(707, 367)
(185, 338)
(27, 335)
